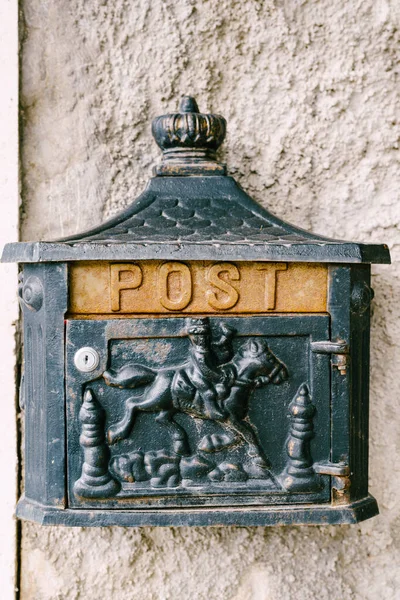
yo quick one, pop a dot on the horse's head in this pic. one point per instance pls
(257, 361)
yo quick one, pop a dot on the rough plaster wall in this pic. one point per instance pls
(309, 91)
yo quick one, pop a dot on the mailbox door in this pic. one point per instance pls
(177, 411)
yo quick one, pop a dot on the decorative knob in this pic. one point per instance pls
(189, 140)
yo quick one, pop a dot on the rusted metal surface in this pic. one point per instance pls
(341, 490)
(146, 287)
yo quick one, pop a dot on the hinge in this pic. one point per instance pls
(338, 350)
(341, 482)
(339, 469)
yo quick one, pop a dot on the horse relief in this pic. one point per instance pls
(214, 383)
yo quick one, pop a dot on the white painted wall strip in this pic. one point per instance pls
(9, 201)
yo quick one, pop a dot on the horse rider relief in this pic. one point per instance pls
(214, 383)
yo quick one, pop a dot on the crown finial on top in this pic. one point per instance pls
(189, 140)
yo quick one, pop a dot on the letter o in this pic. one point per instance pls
(184, 295)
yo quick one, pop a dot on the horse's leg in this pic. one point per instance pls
(180, 441)
(246, 431)
(121, 430)
(157, 397)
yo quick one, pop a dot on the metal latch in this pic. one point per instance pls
(338, 350)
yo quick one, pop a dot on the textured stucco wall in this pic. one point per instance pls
(309, 91)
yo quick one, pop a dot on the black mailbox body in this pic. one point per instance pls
(196, 360)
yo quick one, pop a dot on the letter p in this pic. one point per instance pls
(123, 276)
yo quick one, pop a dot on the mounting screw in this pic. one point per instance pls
(86, 359)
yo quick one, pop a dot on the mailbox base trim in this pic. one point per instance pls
(312, 514)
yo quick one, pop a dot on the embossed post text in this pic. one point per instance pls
(146, 287)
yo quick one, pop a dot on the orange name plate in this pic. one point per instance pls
(145, 287)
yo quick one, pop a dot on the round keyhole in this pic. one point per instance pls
(86, 359)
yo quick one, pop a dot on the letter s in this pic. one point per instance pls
(230, 295)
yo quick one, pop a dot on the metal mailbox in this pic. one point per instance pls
(195, 360)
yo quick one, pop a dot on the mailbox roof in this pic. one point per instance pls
(197, 218)
(192, 211)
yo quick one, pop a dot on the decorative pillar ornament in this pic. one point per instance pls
(299, 474)
(195, 316)
(95, 480)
